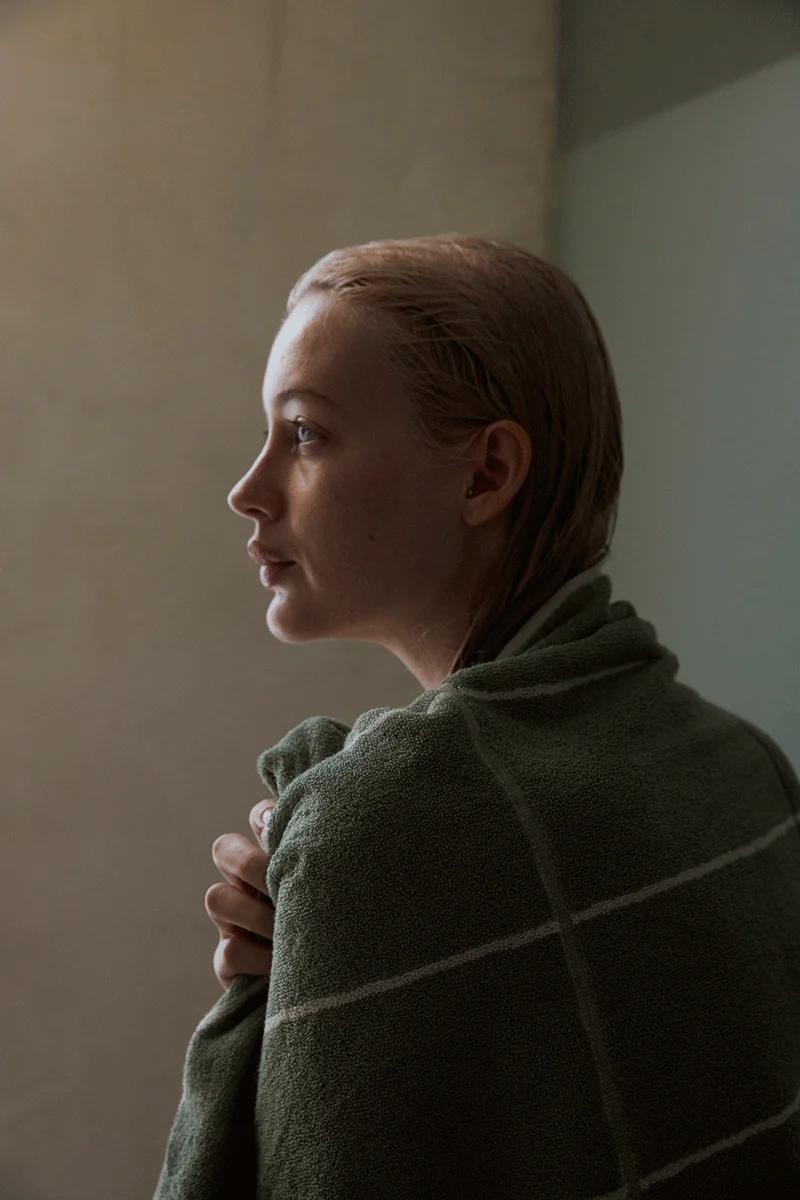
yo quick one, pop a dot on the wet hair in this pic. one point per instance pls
(482, 330)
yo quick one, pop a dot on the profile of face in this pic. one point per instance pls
(385, 545)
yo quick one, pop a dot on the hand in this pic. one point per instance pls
(241, 908)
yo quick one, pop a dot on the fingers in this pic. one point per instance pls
(240, 863)
(230, 910)
(237, 907)
(234, 957)
(260, 815)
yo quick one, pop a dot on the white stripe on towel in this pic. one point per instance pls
(736, 1139)
(526, 936)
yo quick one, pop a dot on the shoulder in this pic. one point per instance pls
(388, 856)
(324, 766)
(403, 781)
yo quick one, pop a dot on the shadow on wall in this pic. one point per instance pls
(609, 77)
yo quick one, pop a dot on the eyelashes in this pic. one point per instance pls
(298, 423)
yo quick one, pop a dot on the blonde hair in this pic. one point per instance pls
(482, 330)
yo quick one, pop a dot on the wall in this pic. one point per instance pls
(167, 170)
(678, 178)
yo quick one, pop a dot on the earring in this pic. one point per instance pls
(471, 489)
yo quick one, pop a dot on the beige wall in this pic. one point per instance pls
(167, 169)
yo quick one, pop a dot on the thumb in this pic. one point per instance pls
(264, 814)
(260, 815)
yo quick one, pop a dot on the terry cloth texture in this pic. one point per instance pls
(537, 935)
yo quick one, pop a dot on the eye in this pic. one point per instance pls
(298, 423)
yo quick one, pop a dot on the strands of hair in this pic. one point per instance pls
(482, 330)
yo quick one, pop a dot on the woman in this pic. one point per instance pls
(538, 932)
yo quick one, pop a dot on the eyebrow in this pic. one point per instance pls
(289, 394)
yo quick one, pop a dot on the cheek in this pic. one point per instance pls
(345, 525)
(372, 530)
(374, 500)
(373, 515)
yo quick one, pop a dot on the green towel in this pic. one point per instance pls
(537, 935)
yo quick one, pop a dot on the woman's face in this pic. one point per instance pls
(343, 488)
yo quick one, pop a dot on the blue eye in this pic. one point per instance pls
(298, 423)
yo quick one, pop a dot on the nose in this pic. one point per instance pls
(254, 495)
(234, 499)
(243, 496)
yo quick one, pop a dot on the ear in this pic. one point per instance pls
(501, 462)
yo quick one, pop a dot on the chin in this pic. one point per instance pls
(289, 625)
(295, 623)
(283, 632)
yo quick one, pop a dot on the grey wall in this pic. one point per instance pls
(678, 213)
(167, 169)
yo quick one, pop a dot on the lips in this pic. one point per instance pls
(271, 573)
(266, 558)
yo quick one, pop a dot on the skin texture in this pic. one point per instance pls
(387, 547)
(240, 907)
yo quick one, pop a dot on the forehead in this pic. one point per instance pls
(324, 343)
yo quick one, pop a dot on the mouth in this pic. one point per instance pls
(259, 555)
(269, 573)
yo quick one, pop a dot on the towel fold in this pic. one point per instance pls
(537, 934)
